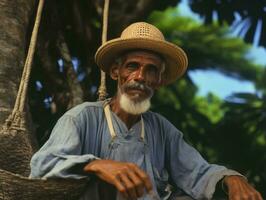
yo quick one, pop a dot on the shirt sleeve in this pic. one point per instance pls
(61, 152)
(189, 171)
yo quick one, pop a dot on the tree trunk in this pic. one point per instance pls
(14, 24)
(75, 89)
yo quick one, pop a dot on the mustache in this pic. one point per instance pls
(137, 85)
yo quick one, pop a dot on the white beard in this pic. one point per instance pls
(132, 107)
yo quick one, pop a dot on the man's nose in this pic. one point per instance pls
(140, 76)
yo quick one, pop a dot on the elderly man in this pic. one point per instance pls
(121, 143)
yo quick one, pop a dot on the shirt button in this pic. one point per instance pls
(128, 137)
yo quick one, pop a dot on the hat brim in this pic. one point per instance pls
(175, 58)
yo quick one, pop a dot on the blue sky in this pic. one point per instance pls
(215, 82)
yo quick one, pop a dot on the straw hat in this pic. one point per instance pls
(145, 36)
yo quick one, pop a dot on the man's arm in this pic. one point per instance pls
(61, 157)
(190, 172)
(239, 188)
(61, 152)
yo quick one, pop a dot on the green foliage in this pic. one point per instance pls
(208, 47)
(210, 106)
(232, 133)
(243, 132)
(251, 11)
(178, 103)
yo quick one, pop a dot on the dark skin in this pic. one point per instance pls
(128, 178)
(239, 189)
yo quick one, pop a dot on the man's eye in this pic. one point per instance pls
(132, 65)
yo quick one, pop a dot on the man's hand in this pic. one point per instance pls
(240, 189)
(128, 178)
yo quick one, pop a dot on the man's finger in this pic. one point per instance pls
(120, 187)
(143, 176)
(130, 187)
(259, 196)
(137, 182)
(256, 195)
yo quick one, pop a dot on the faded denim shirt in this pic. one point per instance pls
(82, 135)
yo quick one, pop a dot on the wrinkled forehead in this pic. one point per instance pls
(140, 52)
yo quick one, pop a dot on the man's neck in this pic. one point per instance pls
(127, 118)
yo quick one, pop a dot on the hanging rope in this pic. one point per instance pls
(102, 89)
(17, 119)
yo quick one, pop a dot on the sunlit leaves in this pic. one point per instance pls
(207, 46)
(232, 132)
(210, 106)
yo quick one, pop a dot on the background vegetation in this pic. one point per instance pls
(232, 131)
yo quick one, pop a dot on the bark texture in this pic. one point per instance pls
(13, 25)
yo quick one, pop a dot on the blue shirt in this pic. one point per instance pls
(82, 135)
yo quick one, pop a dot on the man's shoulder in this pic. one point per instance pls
(160, 122)
(154, 116)
(156, 119)
(85, 108)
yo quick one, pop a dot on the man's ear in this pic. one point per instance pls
(114, 71)
(160, 83)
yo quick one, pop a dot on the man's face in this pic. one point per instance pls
(139, 74)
